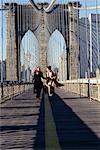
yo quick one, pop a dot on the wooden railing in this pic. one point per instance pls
(84, 87)
(11, 90)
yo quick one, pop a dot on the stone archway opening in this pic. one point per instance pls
(29, 55)
(57, 54)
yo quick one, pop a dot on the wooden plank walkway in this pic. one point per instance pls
(76, 121)
(19, 119)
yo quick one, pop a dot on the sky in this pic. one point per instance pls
(30, 48)
(3, 22)
(89, 2)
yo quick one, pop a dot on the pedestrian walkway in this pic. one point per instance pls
(63, 121)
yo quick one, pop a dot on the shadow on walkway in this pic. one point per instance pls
(40, 136)
(73, 133)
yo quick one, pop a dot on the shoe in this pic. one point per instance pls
(50, 94)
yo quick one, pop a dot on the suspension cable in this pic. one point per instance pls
(2, 44)
(10, 15)
(20, 24)
(97, 27)
(86, 24)
(13, 42)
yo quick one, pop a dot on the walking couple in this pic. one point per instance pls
(50, 81)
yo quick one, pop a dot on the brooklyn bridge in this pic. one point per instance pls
(62, 34)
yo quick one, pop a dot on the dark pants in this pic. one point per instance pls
(38, 92)
(37, 88)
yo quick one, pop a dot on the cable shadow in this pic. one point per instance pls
(21, 127)
(80, 97)
(18, 136)
(18, 116)
(73, 133)
(19, 107)
(22, 99)
(40, 136)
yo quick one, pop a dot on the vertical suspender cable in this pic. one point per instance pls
(59, 43)
(10, 43)
(67, 23)
(62, 20)
(13, 46)
(97, 29)
(27, 45)
(98, 38)
(55, 39)
(60, 52)
(18, 20)
(10, 10)
(64, 34)
(29, 17)
(13, 41)
(65, 27)
(20, 28)
(88, 67)
(87, 47)
(30, 41)
(91, 44)
(78, 43)
(78, 33)
(54, 49)
(70, 30)
(18, 24)
(23, 29)
(2, 49)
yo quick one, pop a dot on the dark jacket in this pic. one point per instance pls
(37, 79)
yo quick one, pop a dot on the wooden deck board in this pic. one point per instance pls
(77, 122)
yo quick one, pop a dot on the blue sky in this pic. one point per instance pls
(88, 3)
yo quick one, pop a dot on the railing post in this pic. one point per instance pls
(2, 90)
(89, 92)
(98, 92)
(13, 88)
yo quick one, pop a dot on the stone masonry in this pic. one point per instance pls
(19, 22)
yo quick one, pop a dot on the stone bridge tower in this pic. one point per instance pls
(42, 25)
